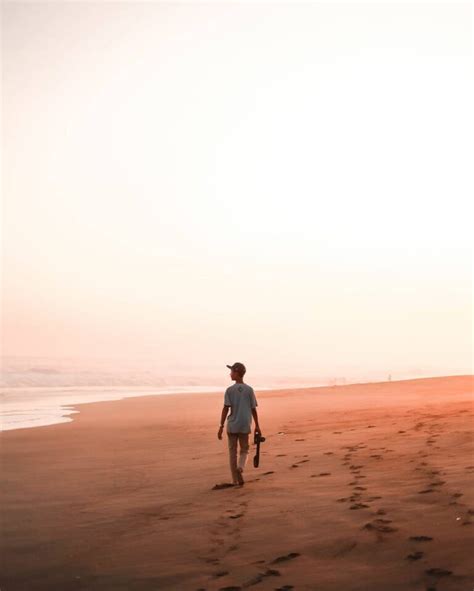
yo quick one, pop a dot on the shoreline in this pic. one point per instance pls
(58, 407)
(63, 412)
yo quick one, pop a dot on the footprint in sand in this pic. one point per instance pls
(231, 588)
(211, 560)
(426, 490)
(268, 473)
(281, 456)
(218, 547)
(414, 556)
(359, 506)
(346, 548)
(331, 453)
(438, 572)
(321, 474)
(270, 572)
(379, 527)
(285, 558)
(300, 439)
(285, 588)
(420, 538)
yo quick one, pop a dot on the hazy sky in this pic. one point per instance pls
(281, 184)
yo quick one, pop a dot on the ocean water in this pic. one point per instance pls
(41, 391)
(23, 408)
(38, 391)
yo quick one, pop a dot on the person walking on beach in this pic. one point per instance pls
(240, 398)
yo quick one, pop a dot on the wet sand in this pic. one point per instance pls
(361, 487)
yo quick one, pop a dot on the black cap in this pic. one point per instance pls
(238, 367)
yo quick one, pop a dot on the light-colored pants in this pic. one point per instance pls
(243, 440)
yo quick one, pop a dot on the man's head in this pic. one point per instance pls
(237, 370)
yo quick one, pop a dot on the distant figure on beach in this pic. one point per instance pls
(240, 398)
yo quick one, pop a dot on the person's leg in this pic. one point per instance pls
(232, 442)
(244, 449)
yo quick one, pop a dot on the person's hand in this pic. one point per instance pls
(219, 433)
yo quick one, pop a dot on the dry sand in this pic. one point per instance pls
(361, 487)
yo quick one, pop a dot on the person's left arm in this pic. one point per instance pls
(225, 412)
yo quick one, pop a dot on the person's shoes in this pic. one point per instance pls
(240, 478)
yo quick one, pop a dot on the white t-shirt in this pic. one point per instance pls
(241, 399)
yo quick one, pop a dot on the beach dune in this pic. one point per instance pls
(360, 487)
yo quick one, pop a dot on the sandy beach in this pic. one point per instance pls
(360, 487)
